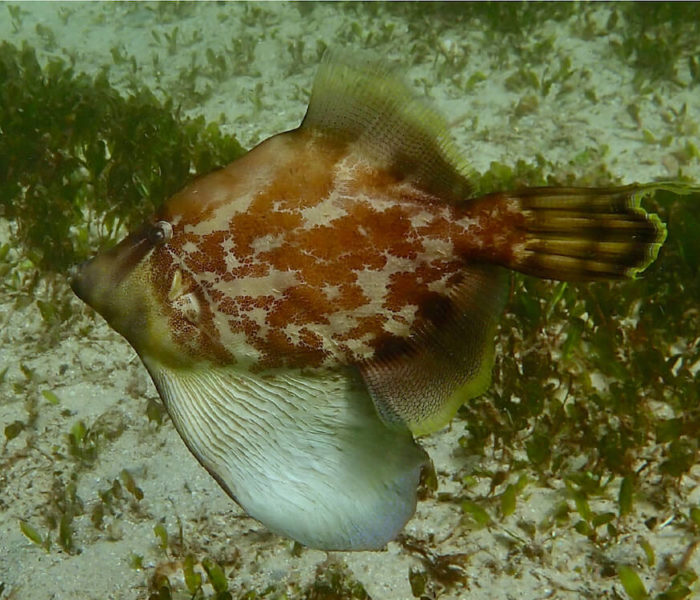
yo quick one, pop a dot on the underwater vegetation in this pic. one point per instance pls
(78, 161)
(595, 386)
(656, 41)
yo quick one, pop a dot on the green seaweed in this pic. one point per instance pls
(334, 580)
(657, 42)
(34, 536)
(632, 583)
(73, 148)
(162, 534)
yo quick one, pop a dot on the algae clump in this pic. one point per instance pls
(79, 162)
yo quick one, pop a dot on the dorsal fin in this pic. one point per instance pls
(358, 100)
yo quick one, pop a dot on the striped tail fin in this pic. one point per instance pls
(586, 234)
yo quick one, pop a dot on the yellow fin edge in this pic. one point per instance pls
(476, 386)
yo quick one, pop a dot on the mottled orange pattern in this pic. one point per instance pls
(315, 256)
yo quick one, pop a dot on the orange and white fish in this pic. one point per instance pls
(308, 310)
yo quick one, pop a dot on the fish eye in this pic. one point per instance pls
(160, 233)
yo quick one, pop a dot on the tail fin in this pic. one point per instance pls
(583, 234)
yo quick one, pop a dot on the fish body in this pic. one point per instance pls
(307, 310)
(303, 255)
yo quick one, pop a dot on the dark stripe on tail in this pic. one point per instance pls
(586, 233)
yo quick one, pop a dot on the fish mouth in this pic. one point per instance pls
(92, 282)
(78, 281)
(96, 280)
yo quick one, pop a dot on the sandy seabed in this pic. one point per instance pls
(99, 379)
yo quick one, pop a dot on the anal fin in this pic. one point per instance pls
(446, 361)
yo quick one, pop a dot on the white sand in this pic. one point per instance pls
(99, 378)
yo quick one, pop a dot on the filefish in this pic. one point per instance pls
(310, 310)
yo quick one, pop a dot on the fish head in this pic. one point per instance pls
(162, 286)
(147, 292)
(119, 284)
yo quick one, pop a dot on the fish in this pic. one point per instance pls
(309, 311)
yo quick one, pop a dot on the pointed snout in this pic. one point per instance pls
(99, 282)
(81, 278)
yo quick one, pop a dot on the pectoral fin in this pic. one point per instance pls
(306, 455)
